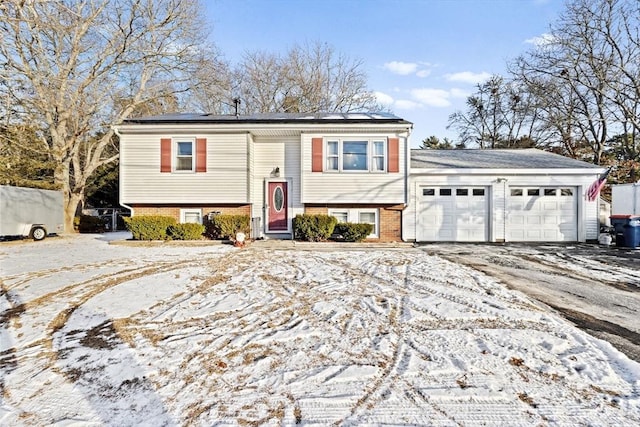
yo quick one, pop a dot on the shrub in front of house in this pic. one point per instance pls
(187, 231)
(149, 227)
(352, 232)
(313, 228)
(226, 226)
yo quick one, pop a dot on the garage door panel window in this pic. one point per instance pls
(566, 192)
(533, 192)
(445, 191)
(478, 191)
(550, 191)
(462, 191)
(516, 192)
(428, 192)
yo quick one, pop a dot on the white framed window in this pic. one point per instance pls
(191, 215)
(183, 154)
(356, 155)
(378, 156)
(360, 216)
(332, 155)
(341, 216)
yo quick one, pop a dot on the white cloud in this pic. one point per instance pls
(402, 68)
(419, 69)
(542, 40)
(405, 104)
(468, 77)
(383, 98)
(432, 97)
(459, 93)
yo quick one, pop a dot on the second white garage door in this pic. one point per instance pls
(542, 214)
(452, 214)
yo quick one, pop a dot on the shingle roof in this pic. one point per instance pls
(529, 158)
(273, 118)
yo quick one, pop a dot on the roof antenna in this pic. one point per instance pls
(236, 102)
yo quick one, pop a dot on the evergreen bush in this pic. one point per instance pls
(353, 232)
(187, 231)
(226, 226)
(149, 227)
(313, 228)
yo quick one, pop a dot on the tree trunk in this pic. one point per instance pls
(71, 203)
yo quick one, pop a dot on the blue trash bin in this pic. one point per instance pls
(627, 229)
(632, 233)
(618, 222)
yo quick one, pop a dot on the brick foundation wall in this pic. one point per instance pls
(174, 210)
(389, 218)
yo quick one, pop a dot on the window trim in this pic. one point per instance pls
(370, 159)
(175, 156)
(186, 211)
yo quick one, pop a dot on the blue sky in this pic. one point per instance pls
(422, 57)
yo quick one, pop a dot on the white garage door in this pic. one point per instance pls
(542, 214)
(452, 214)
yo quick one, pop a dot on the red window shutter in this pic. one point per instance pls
(393, 151)
(165, 155)
(201, 154)
(316, 155)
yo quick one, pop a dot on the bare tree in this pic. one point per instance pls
(500, 114)
(74, 67)
(587, 77)
(308, 79)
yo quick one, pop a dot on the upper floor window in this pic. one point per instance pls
(180, 154)
(356, 155)
(184, 155)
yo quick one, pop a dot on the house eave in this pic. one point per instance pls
(264, 129)
(507, 172)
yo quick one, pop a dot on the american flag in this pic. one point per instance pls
(594, 189)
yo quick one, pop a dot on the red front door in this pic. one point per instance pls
(277, 200)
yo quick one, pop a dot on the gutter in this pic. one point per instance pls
(117, 132)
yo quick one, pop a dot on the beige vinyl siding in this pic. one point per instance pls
(251, 157)
(352, 187)
(269, 153)
(226, 179)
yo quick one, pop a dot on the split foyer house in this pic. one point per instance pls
(268, 166)
(357, 167)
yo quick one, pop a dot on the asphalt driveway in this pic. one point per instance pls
(595, 287)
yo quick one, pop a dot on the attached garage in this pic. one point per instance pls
(453, 214)
(524, 195)
(542, 214)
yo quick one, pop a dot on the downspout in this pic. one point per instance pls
(117, 132)
(407, 171)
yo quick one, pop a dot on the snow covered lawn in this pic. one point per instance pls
(99, 334)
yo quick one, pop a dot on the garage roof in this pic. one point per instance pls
(529, 158)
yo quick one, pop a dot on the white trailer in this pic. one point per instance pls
(30, 212)
(625, 199)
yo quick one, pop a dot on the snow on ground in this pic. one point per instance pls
(171, 334)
